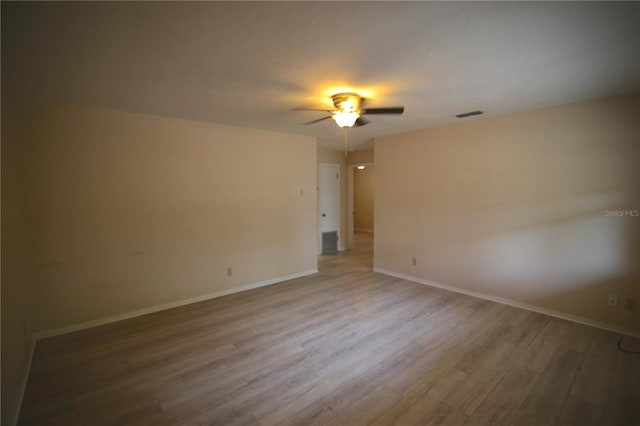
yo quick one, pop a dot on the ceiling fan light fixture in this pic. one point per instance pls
(349, 112)
(345, 118)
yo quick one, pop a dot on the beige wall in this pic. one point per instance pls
(131, 211)
(363, 199)
(365, 156)
(329, 156)
(514, 207)
(17, 291)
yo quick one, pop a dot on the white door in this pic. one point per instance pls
(329, 199)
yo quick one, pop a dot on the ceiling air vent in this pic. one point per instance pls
(469, 114)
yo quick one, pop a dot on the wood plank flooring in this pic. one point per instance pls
(343, 347)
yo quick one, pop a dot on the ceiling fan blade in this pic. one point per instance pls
(361, 122)
(384, 110)
(311, 109)
(315, 121)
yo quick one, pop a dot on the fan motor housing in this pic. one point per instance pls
(346, 101)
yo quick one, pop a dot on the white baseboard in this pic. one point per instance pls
(101, 321)
(514, 303)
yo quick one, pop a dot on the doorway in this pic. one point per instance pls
(360, 195)
(329, 207)
(363, 199)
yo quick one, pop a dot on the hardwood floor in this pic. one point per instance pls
(343, 347)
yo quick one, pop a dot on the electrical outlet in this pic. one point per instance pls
(414, 261)
(229, 271)
(613, 300)
(630, 305)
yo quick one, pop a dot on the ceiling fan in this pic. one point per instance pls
(349, 110)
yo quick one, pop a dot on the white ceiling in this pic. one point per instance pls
(248, 64)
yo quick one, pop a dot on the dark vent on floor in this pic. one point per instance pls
(469, 114)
